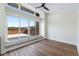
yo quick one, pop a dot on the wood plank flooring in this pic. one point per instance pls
(45, 48)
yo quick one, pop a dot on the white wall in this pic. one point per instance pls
(61, 26)
(2, 27)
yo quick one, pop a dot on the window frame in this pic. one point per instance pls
(22, 14)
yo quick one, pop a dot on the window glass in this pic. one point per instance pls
(13, 26)
(37, 28)
(23, 27)
(32, 27)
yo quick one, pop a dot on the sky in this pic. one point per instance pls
(14, 22)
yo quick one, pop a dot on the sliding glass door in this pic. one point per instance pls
(32, 27)
(24, 27)
(13, 26)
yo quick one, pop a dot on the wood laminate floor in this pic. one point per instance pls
(45, 48)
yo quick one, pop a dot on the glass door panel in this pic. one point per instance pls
(37, 28)
(23, 27)
(13, 26)
(32, 27)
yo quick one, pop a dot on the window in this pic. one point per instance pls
(32, 27)
(13, 26)
(23, 27)
(20, 26)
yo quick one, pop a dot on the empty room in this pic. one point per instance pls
(39, 29)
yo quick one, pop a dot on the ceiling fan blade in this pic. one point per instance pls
(46, 8)
(43, 4)
(39, 7)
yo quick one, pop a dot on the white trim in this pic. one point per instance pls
(61, 41)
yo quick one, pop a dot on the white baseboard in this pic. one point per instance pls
(62, 41)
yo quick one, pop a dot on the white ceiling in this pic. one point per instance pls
(57, 7)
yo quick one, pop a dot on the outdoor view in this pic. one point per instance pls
(18, 25)
(23, 27)
(32, 27)
(13, 26)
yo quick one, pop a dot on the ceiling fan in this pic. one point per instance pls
(43, 5)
